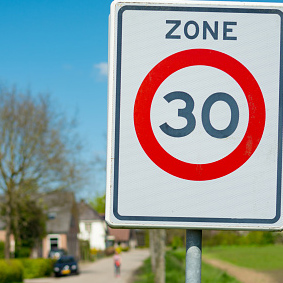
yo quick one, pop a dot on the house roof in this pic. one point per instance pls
(61, 206)
(60, 210)
(86, 212)
(121, 235)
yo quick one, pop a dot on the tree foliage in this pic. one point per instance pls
(39, 151)
(98, 203)
(32, 223)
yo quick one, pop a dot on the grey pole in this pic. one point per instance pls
(193, 256)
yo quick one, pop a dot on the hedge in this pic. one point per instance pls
(36, 268)
(258, 238)
(11, 271)
(15, 270)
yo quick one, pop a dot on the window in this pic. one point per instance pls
(53, 243)
(51, 215)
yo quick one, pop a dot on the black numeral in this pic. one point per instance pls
(187, 113)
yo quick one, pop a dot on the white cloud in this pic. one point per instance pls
(103, 68)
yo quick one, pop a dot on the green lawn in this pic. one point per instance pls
(263, 258)
(213, 275)
(175, 271)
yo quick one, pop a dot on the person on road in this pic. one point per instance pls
(117, 263)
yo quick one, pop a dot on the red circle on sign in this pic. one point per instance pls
(199, 57)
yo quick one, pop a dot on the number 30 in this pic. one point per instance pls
(191, 121)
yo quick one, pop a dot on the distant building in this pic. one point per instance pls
(69, 221)
(118, 237)
(62, 225)
(92, 226)
(3, 236)
(126, 237)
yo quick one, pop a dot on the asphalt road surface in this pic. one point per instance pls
(102, 271)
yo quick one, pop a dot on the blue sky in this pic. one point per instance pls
(60, 47)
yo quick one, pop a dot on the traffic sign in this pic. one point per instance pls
(195, 115)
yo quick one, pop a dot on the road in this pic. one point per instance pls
(102, 271)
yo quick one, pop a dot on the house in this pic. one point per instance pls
(3, 236)
(118, 237)
(131, 238)
(92, 226)
(63, 223)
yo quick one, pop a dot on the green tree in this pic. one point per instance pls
(32, 224)
(39, 151)
(98, 203)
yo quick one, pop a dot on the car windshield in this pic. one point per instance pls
(66, 259)
(56, 253)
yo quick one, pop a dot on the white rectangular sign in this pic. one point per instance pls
(195, 115)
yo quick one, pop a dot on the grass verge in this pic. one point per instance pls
(175, 271)
(264, 258)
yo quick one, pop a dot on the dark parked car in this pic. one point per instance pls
(66, 265)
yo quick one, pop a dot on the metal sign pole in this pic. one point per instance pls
(193, 256)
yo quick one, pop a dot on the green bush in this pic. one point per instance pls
(225, 238)
(2, 249)
(94, 251)
(221, 238)
(125, 249)
(259, 238)
(11, 271)
(177, 242)
(96, 254)
(22, 252)
(37, 267)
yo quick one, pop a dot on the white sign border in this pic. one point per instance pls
(136, 221)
